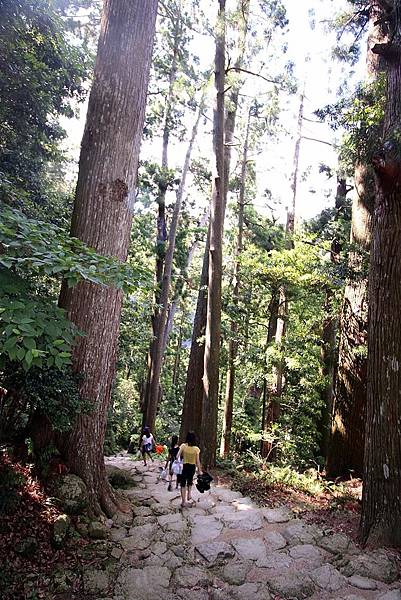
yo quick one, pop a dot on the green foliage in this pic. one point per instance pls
(174, 72)
(41, 71)
(32, 246)
(251, 466)
(361, 116)
(153, 179)
(124, 417)
(34, 333)
(49, 392)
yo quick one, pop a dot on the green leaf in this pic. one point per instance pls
(27, 329)
(28, 358)
(29, 343)
(6, 261)
(10, 343)
(21, 353)
(59, 362)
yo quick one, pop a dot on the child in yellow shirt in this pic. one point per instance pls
(189, 453)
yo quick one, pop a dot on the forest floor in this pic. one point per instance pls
(227, 546)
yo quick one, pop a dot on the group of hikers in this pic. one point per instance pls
(182, 461)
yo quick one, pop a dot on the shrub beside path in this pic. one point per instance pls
(225, 547)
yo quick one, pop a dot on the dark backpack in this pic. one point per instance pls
(203, 482)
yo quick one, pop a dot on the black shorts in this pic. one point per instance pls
(187, 475)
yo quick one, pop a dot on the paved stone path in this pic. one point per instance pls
(225, 547)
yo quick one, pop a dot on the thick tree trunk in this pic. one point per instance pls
(233, 343)
(102, 219)
(192, 406)
(346, 444)
(381, 500)
(158, 344)
(213, 317)
(191, 417)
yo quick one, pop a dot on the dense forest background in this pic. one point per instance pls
(173, 282)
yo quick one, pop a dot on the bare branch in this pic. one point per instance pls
(240, 69)
(304, 137)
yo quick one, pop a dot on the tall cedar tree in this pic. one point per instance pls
(193, 399)
(381, 500)
(155, 358)
(160, 335)
(233, 342)
(102, 219)
(213, 318)
(346, 444)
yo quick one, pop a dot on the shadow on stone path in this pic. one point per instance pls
(226, 547)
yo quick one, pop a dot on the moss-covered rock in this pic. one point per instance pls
(61, 527)
(119, 478)
(72, 493)
(97, 531)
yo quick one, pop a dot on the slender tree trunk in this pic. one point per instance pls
(102, 219)
(193, 398)
(233, 343)
(381, 499)
(181, 288)
(278, 371)
(267, 404)
(156, 366)
(290, 228)
(346, 444)
(213, 318)
(330, 324)
(177, 358)
(161, 235)
(157, 358)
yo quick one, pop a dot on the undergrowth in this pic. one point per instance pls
(251, 467)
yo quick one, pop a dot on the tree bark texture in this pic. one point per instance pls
(346, 444)
(233, 342)
(381, 500)
(213, 317)
(191, 418)
(102, 219)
